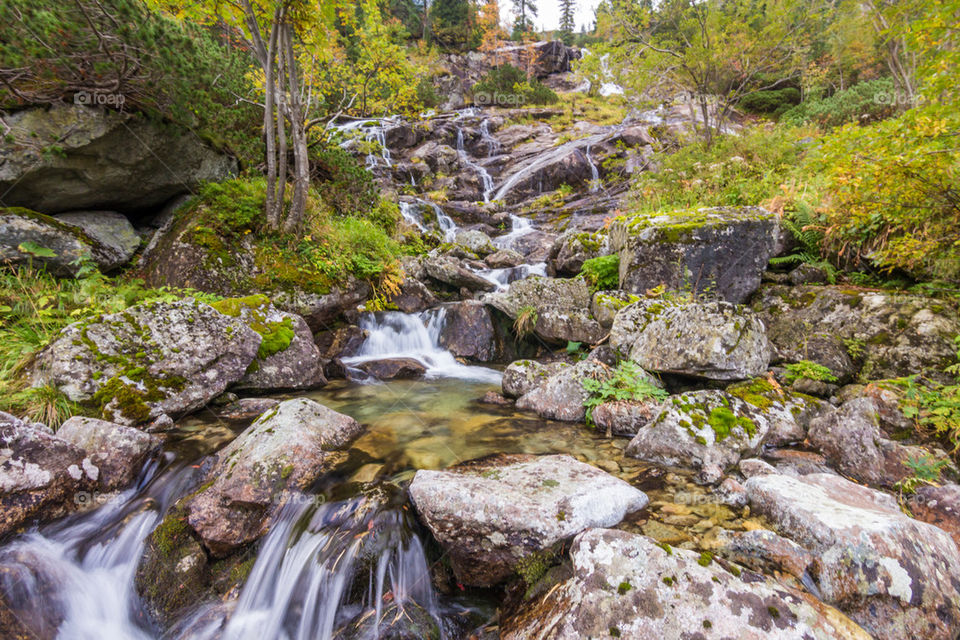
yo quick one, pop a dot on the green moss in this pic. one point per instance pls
(170, 534)
(705, 559)
(624, 587)
(532, 567)
(276, 334)
(756, 392)
(723, 421)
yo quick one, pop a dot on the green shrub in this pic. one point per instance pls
(602, 273)
(808, 370)
(863, 102)
(343, 183)
(627, 382)
(509, 80)
(771, 101)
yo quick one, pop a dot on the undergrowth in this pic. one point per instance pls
(627, 381)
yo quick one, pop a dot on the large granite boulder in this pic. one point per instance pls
(108, 159)
(875, 333)
(450, 271)
(896, 576)
(939, 505)
(41, 476)
(118, 451)
(113, 230)
(152, 359)
(628, 586)
(469, 331)
(490, 514)
(522, 376)
(284, 451)
(575, 247)
(712, 340)
(720, 251)
(561, 395)
(561, 308)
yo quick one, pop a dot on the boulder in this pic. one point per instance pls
(712, 340)
(491, 514)
(152, 359)
(476, 242)
(721, 251)
(285, 450)
(895, 576)
(561, 395)
(117, 450)
(450, 271)
(939, 506)
(245, 408)
(468, 331)
(575, 247)
(561, 308)
(111, 229)
(504, 259)
(875, 333)
(27, 237)
(605, 305)
(413, 296)
(523, 376)
(625, 417)
(706, 430)
(41, 476)
(393, 368)
(629, 586)
(288, 358)
(98, 167)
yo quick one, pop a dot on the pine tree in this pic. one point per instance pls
(567, 8)
(526, 12)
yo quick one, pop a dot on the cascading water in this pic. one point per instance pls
(531, 167)
(410, 211)
(504, 276)
(519, 227)
(373, 131)
(493, 145)
(594, 172)
(392, 334)
(480, 171)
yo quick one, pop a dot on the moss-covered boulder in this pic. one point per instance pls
(28, 237)
(283, 451)
(859, 333)
(288, 358)
(523, 376)
(720, 251)
(152, 359)
(118, 451)
(556, 309)
(561, 395)
(712, 340)
(575, 247)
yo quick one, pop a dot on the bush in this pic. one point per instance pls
(627, 382)
(343, 183)
(772, 101)
(509, 80)
(603, 273)
(864, 102)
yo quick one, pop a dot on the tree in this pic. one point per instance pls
(567, 9)
(488, 21)
(526, 11)
(715, 51)
(452, 22)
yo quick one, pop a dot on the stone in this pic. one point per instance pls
(413, 296)
(720, 251)
(628, 586)
(808, 274)
(393, 368)
(712, 340)
(450, 271)
(22, 229)
(870, 334)
(939, 506)
(152, 359)
(504, 259)
(476, 242)
(625, 417)
(562, 308)
(468, 331)
(896, 576)
(764, 551)
(98, 166)
(118, 451)
(561, 395)
(575, 247)
(705, 430)
(604, 305)
(41, 476)
(284, 451)
(246, 408)
(491, 514)
(523, 376)
(111, 229)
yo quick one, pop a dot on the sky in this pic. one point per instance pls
(548, 13)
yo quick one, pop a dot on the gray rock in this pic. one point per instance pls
(113, 230)
(722, 251)
(477, 242)
(575, 247)
(939, 506)
(561, 395)
(891, 335)
(117, 450)
(625, 417)
(20, 227)
(490, 514)
(451, 271)
(152, 359)
(562, 308)
(713, 340)
(41, 476)
(393, 368)
(285, 450)
(897, 577)
(413, 296)
(468, 332)
(523, 376)
(628, 586)
(605, 305)
(245, 408)
(503, 259)
(110, 160)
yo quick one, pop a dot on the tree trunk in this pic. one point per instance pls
(273, 208)
(298, 134)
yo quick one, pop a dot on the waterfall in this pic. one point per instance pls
(480, 171)
(534, 165)
(392, 334)
(504, 276)
(410, 211)
(519, 227)
(594, 172)
(373, 131)
(493, 145)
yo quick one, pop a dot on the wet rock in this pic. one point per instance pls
(342, 342)
(118, 451)
(491, 514)
(705, 430)
(20, 229)
(246, 408)
(561, 395)
(469, 332)
(287, 358)
(764, 551)
(625, 417)
(439, 157)
(494, 398)
(626, 585)
(878, 334)
(722, 251)
(98, 167)
(111, 229)
(939, 506)
(393, 368)
(560, 308)
(152, 359)
(523, 376)
(285, 450)
(605, 305)
(41, 475)
(413, 296)
(477, 242)
(897, 577)
(503, 259)
(713, 340)
(575, 247)
(451, 271)
(851, 440)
